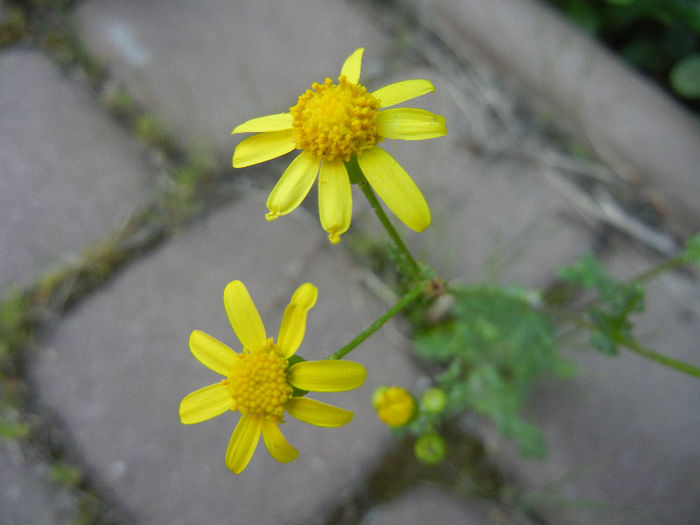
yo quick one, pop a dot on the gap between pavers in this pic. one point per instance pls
(70, 174)
(117, 367)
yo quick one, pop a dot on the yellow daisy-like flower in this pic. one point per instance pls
(331, 123)
(259, 382)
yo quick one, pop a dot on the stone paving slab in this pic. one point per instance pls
(623, 435)
(204, 67)
(117, 368)
(429, 504)
(70, 175)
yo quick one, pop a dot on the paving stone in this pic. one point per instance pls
(25, 494)
(623, 435)
(117, 368)
(205, 67)
(70, 175)
(428, 504)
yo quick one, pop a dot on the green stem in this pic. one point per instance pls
(658, 269)
(412, 295)
(680, 366)
(358, 177)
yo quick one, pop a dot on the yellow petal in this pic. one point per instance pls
(276, 444)
(276, 122)
(243, 316)
(205, 403)
(293, 186)
(243, 442)
(263, 147)
(317, 413)
(402, 91)
(352, 66)
(212, 353)
(410, 124)
(396, 188)
(334, 199)
(327, 376)
(294, 319)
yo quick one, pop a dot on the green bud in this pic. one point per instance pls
(430, 448)
(433, 400)
(378, 395)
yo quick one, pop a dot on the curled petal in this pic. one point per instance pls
(243, 442)
(243, 316)
(205, 403)
(353, 65)
(212, 353)
(293, 186)
(396, 188)
(318, 413)
(327, 376)
(276, 444)
(293, 324)
(276, 122)
(334, 199)
(410, 124)
(263, 147)
(402, 91)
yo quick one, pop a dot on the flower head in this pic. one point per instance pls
(394, 405)
(332, 123)
(260, 381)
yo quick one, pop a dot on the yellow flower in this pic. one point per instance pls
(260, 381)
(331, 123)
(394, 405)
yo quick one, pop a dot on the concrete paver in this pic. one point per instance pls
(70, 175)
(428, 504)
(204, 68)
(117, 368)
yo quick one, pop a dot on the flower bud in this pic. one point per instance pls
(433, 400)
(395, 406)
(430, 448)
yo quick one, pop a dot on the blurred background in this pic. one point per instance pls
(572, 129)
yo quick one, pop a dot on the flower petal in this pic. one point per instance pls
(263, 147)
(276, 444)
(293, 186)
(212, 353)
(334, 199)
(294, 319)
(276, 122)
(410, 124)
(352, 66)
(396, 188)
(402, 91)
(205, 403)
(317, 413)
(327, 376)
(243, 442)
(243, 316)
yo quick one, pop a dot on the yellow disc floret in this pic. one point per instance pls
(258, 384)
(335, 120)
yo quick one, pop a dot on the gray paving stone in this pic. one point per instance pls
(70, 175)
(428, 504)
(623, 436)
(25, 494)
(117, 368)
(205, 67)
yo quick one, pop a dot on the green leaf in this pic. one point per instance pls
(692, 249)
(685, 76)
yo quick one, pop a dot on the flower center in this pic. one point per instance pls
(335, 120)
(258, 384)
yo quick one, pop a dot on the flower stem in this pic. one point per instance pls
(358, 177)
(412, 295)
(680, 366)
